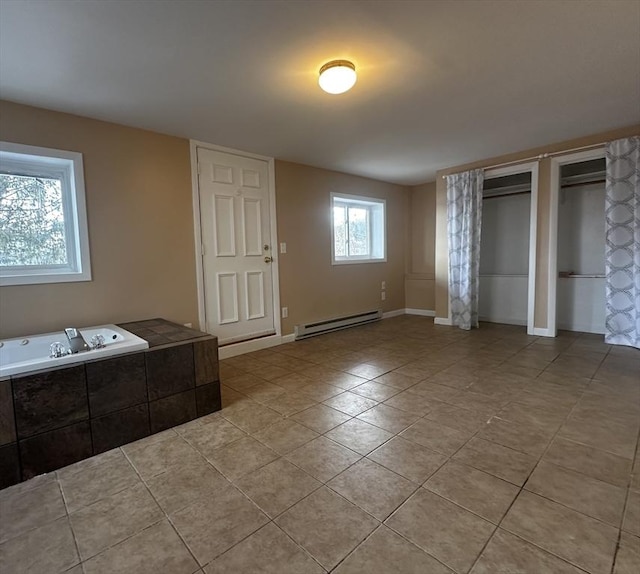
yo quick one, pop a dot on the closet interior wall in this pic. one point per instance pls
(580, 303)
(504, 249)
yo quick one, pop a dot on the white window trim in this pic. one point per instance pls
(67, 166)
(354, 260)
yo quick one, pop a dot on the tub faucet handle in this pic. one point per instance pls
(57, 350)
(97, 342)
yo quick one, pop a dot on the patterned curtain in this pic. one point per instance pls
(464, 217)
(622, 212)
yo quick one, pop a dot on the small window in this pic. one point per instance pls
(358, 229)
(43, 220)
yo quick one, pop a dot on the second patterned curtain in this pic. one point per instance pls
(623, 242)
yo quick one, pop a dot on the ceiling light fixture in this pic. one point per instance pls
(337, 76)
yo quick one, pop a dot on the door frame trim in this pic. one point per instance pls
(197, 230)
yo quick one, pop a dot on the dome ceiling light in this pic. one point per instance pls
(337, 76)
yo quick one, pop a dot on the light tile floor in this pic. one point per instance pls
(394, 447)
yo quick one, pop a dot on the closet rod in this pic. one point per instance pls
(561, 187)
(582, 184)
(536, 157)
(505, 194)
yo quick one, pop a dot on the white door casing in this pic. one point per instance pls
(234, 201)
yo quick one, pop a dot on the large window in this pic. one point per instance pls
(43, 222)
(358, 229)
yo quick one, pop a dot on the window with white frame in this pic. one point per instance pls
(358, 229)
(43, 220)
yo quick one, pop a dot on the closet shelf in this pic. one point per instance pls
(569, 275)
(503, 275)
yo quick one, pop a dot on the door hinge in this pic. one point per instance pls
(198, 169)
(202, 250)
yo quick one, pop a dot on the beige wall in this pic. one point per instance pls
(139, 209)
(544, 196)
(310, 286)
(420, 277)
(138, 190)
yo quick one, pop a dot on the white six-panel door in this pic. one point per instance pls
(237, 251)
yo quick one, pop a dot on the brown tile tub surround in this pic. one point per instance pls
(159, 332)
(54, 449)
(51, 419)
(482, 466)
(49, 400)
(7, 420)
(116, 383)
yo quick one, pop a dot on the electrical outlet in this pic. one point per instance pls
(384, 285)
(383, 296)
(188, 325)
(285, 312)
(283, 248)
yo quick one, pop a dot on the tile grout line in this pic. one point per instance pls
(165, 514)
(424, 416)
(230, 483)
(83, 561)
(272, 520)
(304, 550)
(522, 488)
(31, 529)
(118, 492)
(73, 532)
(626, 503)
(451, 457)
(385, 340)
(325, 484)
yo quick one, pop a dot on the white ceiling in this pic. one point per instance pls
(439, 83)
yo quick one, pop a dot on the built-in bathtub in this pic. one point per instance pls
(54, 412)
(27, 354)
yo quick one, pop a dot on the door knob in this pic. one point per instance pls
(268, 259)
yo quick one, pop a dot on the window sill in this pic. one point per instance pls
(44, 278)
(357, 261)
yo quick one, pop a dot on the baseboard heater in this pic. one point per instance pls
(320, 327)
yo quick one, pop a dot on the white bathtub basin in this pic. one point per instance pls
(26, 354)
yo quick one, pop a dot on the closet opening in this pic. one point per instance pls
(507, 246)
(580, 291)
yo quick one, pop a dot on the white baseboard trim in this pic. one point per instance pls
(395, 313)
(504, 321)
(409, 311)
(421, 312)
(581, 328)
(542, 332)
(235, 349)
(442, 321)
(243, 347)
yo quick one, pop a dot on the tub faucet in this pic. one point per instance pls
(76, 340)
